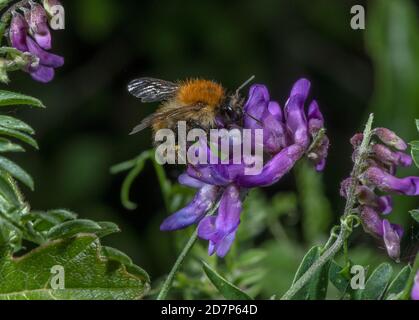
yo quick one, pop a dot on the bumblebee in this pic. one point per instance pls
(200, 103)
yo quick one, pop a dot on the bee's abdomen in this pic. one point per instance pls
(204, 92)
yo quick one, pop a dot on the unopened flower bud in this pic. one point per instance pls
(38, 22)
(390, 138)
(18, 32)
(384, 154)
(391, 235)
(388, 183)
(371, 221)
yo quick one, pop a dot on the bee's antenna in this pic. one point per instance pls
(245, 83)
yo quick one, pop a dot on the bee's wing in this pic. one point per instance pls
(152, 90)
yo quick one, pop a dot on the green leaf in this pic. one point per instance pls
(71, 228)
(415, 152)
(17, 172)
(116, 255)
(19, 135)
(377, 282)
(415, 215)
(337, 278)
(15, 124)
(107, 228)
(8, 146)
(8, 192)
(316, 288)
(417, 124)
(399, 283)
(227, 289)
(88, 273)
(8, 98)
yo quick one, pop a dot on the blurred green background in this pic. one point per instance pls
(107, 43)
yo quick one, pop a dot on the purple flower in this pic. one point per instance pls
(36, 24)
(415, 289)
(220, 230)
(380, 167)
(287, 135)
(194, 211)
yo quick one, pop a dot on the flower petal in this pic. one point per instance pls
(186, 180)
(45, 58)
(296, 121)
(315, 118)
(256, 106)
(194, 211)
(301, 87)
(42, 74)
(275, 169)
(220, 230)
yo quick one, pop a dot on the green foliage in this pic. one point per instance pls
(415, 215)
(316, 288)
(89, 272)
(317, 216)
(398, 284)
(227, 289)
(377, 282)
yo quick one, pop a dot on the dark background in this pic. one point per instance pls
(107, 43)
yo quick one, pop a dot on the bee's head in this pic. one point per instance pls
(232, 108)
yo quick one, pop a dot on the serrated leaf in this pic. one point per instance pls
(71, 228)
(8, 146)
(17, 172)
(16, 124)
(88, 274)
(415, 215)
(377, 282)
(44, 221)
(116, 255)
(8, 98)
(227, 289)
(19, 135)
(107, 228)
(316, 288)
(399, 283)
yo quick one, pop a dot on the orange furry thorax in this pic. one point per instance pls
(199, 91)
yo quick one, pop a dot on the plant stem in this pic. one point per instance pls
(167, 285)
(344, 229)
(179, 261)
